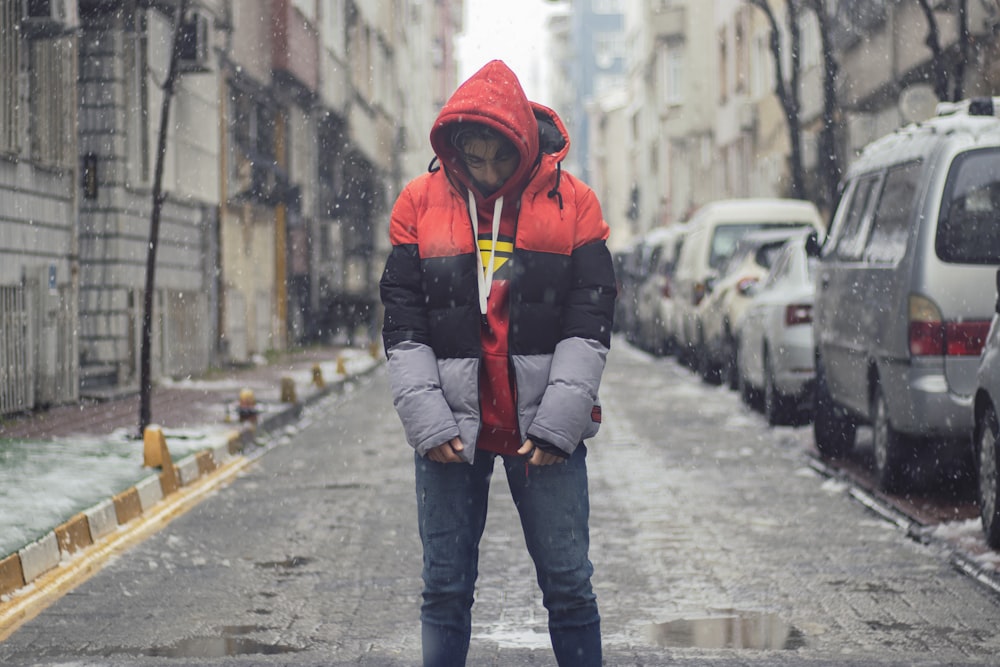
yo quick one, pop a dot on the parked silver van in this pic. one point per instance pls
(904, 292)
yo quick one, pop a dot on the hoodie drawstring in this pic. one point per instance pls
(554, 192)
(485, 281)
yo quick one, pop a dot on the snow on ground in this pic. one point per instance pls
(44, 483)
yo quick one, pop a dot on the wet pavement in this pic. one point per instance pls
(715, 542)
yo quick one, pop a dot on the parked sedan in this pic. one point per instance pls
(654, 307)
(986, 431)
(775, 347)
(722, 309)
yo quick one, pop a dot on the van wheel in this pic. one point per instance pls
(988, 444)
(833, 430)
(893, 450)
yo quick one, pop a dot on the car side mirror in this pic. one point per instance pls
(710, 281)
(813, 245)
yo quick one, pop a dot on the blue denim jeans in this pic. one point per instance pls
(554, 507)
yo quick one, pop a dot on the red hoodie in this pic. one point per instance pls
(493, 97)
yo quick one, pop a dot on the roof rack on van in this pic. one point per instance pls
(974, 106)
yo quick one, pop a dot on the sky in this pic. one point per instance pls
(514, 31)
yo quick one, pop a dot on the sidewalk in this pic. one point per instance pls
(73, 474)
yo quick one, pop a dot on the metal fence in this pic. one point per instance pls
(17, 381)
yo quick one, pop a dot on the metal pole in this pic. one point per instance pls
(145, 379)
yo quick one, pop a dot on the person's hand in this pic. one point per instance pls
(537, 457)
(448, 452)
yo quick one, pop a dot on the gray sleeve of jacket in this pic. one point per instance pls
(565, 416)
(416, 394)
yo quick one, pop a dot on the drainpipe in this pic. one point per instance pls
(280, 236)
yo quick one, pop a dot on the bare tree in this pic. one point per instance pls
(829, 157)
(788, 92)
(948, 82)
(964, 40)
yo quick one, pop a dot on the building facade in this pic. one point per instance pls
(39, 205)
(291, 127)
(702, 117)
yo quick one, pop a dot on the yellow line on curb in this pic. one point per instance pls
(33, 599)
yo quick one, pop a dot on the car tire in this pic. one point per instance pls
(893, 450)
(709, 372)
(731, 368)
(775, 404)
(748, 394)
(834, 431)
(987, 436)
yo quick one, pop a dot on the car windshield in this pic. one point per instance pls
(969, 223)
(726, 237)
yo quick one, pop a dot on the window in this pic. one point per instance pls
(608, 47)
(851, 238)
(254, 170)
(780, 268)
(53, 101)
(136, 86)
(761, 67)
(607, 6)
(890, 227)
(671, 71)
(10, 66)
(741, 49)
(723, 65)
(970, 208)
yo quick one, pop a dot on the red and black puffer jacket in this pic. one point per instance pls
(549, 315)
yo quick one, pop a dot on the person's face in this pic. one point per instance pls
(490, 162)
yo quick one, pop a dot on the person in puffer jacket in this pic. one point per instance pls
(499, 295)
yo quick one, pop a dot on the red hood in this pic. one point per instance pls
(493, 96)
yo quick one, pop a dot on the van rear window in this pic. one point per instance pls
(968, 230)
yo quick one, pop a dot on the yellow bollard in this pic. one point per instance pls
(248, 406)
(341, 369)
(154, 448)
(288, 390)
(375, 349)
(318, 376)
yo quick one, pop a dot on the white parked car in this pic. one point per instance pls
(721, 311)
(711, 237)
(775, 354)
(654, 316)
(986, 430)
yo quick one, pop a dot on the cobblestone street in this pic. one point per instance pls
(714, 542)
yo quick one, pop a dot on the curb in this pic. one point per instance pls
(100, 526)
(913, 529)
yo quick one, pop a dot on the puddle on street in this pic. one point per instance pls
(746, 630)
(217, 647)
(213, 647)
(287, 564)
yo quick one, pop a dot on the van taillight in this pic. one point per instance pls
(965, 339)
(930, 336)
(926, 338)
(798, 314)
